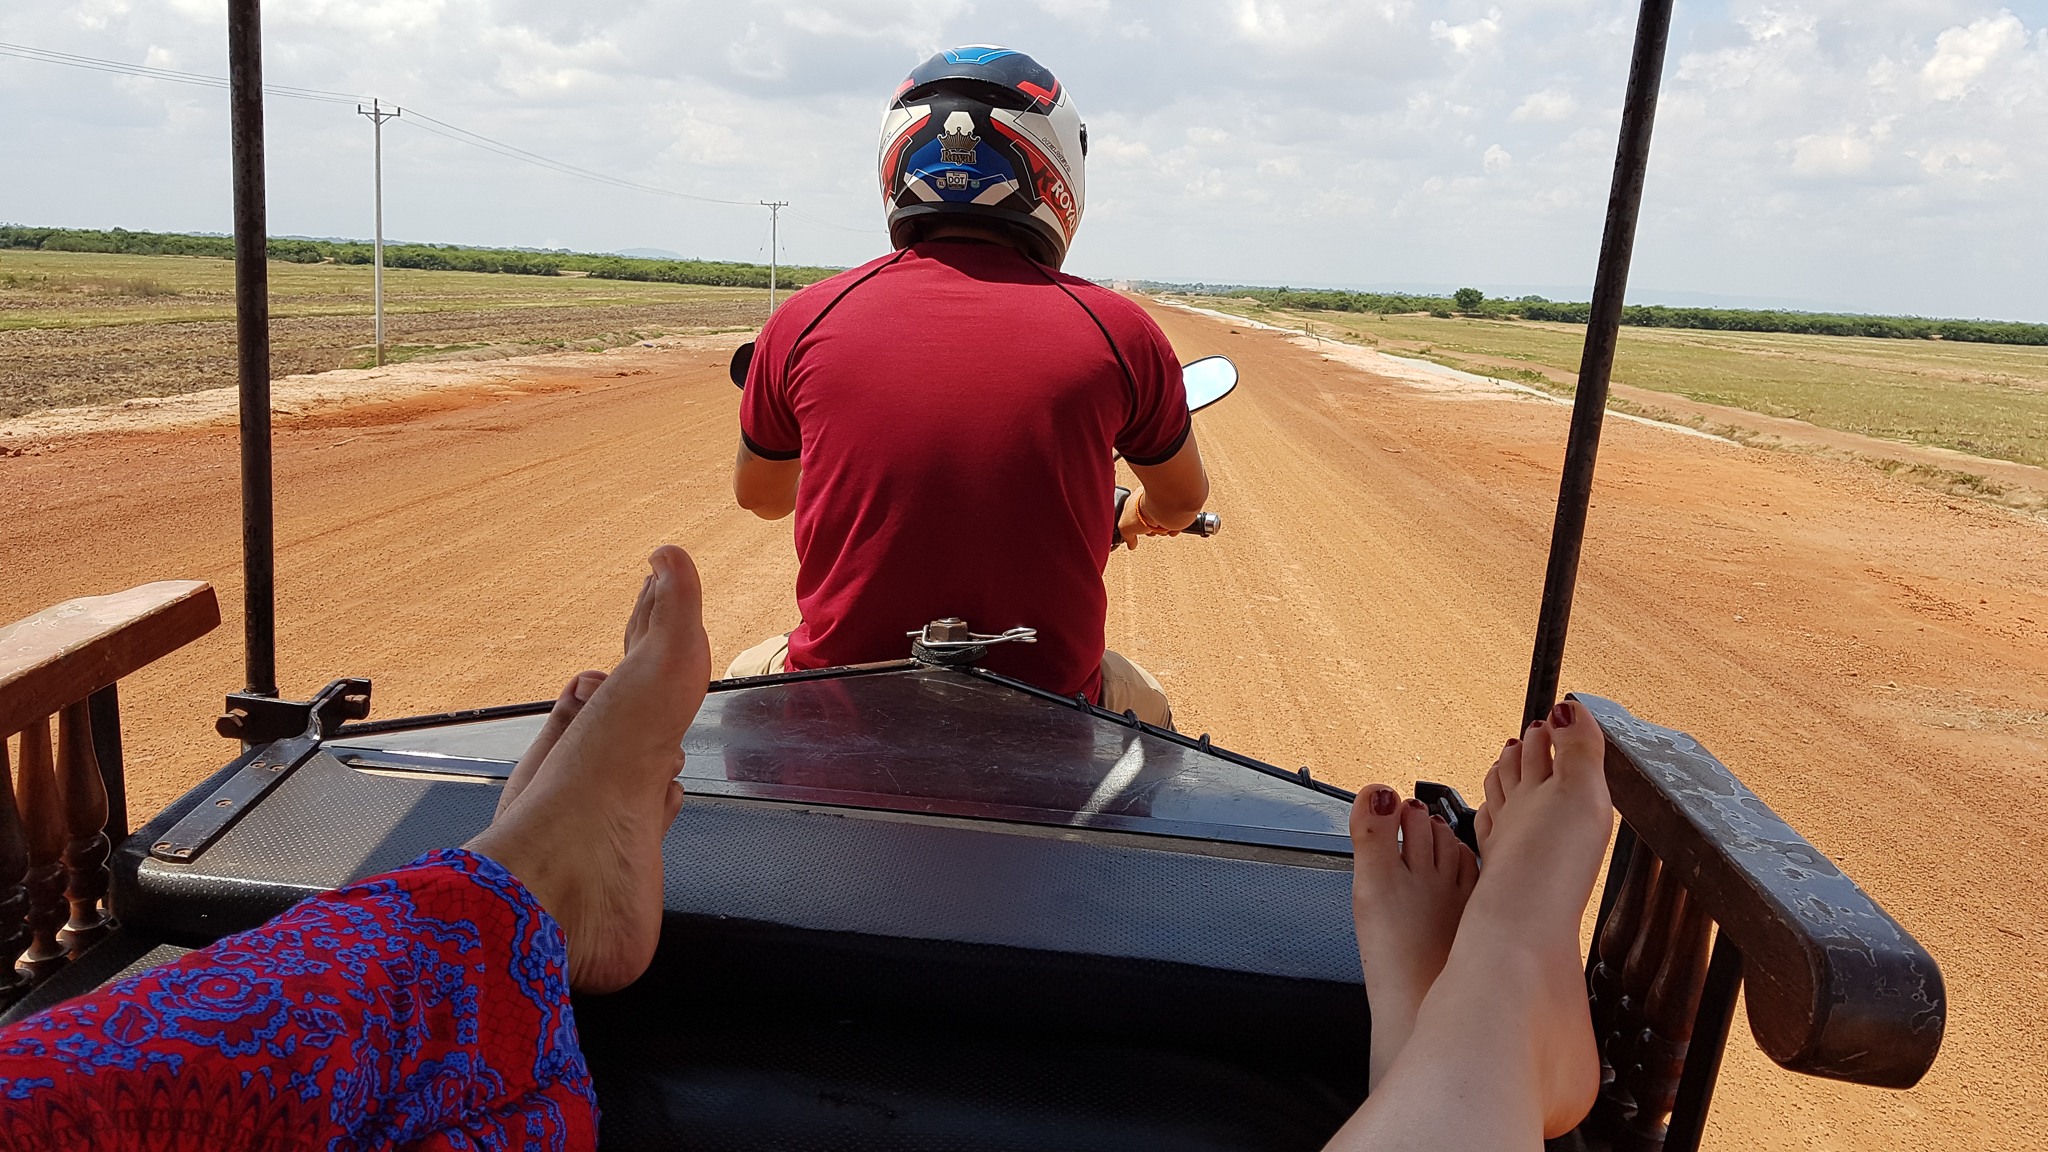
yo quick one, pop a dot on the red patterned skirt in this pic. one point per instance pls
(424, 1008)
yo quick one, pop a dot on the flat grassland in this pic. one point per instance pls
(89, 328)
(1984, 399)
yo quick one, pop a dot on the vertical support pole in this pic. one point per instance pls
(106, 748)
(1610, 287)
(775, 208)
(252, 339)
(1610, 891)
(1615, 933)
(377, 117)
(42, 816)
(85, 822)
(14, 929)
(1709, 1040)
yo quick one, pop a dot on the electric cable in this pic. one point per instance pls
(802, 215)
(93, 63)
(512, 151)
(413, 116)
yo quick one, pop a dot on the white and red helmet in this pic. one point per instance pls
(989, 134)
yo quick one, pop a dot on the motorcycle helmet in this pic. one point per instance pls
(987, 134)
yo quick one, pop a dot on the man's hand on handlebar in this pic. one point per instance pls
(1172, 496)
(1137, 520)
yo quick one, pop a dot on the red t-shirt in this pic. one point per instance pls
(955, 405)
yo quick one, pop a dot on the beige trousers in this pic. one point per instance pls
(1125, 686)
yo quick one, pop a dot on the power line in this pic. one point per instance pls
(446, 130)
(479, 140)
(801, 215)
(95, 64)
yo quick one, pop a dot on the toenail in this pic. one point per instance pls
(1561, 716)
(1383, 800)
(1512, 742)
(1418, 805)
(1439, 819)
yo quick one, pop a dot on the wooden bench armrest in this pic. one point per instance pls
(1835, 986)
(61, 655)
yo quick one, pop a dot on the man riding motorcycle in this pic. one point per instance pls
(951, 409)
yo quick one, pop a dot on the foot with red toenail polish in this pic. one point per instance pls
(1410, 877)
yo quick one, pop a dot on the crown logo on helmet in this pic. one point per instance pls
(956, 146)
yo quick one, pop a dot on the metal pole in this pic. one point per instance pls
(252, 343)
(1610, 286)
(377, 117)
(775, 208)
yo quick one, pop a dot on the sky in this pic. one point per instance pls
(1867, 155)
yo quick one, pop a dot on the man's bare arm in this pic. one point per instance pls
(1173, 493)
(767, 488)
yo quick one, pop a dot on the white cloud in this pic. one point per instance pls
(1963, 54)
(1549, 105)
(1970, 161)
(1882, 153)
(1092, 13)
(755, 56)
(1464, 37)
(1836, 154)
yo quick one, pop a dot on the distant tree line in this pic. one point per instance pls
(1469, 301)
(434, 257)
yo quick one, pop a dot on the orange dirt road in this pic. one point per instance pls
(1870, 657)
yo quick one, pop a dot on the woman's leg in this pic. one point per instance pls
(427, 1007)
(1502, 1052)
(433, 999)
(1410, 879)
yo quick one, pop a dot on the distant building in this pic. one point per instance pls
(1120, 285)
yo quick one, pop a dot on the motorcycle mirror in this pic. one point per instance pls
(742, 356)
(1208, 380)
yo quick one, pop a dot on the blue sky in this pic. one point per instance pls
(1878, 155)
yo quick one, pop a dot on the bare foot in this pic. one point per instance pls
(1543, 832)
(583, 831)
(1502, 1048)
(574, 696)
(1406, 899)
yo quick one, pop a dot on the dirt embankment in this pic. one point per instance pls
(65, 367)
(1867, 655)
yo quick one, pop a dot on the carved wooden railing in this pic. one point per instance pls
(62, 810)
(1709, 891)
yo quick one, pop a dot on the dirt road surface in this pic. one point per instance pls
(1870, 657)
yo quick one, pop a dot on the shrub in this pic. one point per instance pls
(1469, 299)
(1659, 316)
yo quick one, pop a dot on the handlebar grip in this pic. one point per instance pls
(1205, 523)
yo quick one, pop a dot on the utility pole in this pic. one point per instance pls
(378, 116)
(775, 208)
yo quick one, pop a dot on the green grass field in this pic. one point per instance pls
(89, 289)
(1984, 399)
(91, 328)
